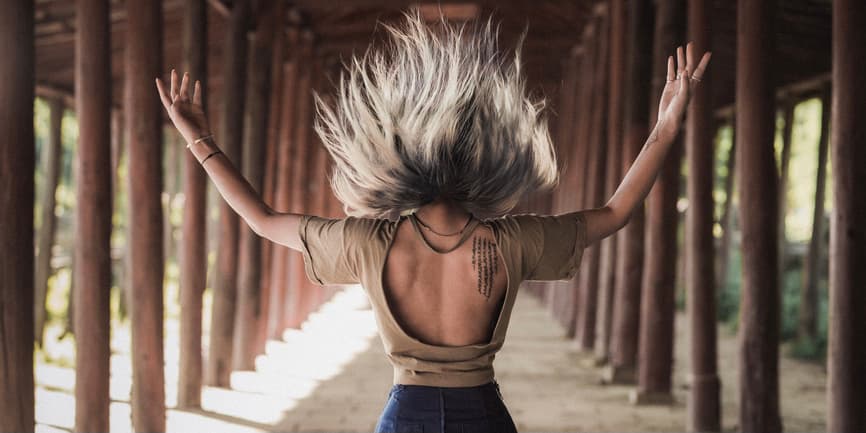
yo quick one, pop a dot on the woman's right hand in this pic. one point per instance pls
(185, 112)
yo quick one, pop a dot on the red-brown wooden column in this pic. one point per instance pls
(629, 262)
(319, 185)
(258, 103)
(144, 123)
(565, 304)
(193, 273)
(704, 408)
(275, 127)
(759, 298)
(656, 335)
(218, 372)
(92, 215)
(309, 198)
(298, 284)
(17, 159)
(846, 386)
(282, 195)
(607, 261)
(593, 180)
(565, 149)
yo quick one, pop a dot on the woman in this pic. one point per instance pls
(435, 129)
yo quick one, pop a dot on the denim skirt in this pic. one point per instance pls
(429, 409)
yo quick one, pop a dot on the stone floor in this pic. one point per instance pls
(332, 376)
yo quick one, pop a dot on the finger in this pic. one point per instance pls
(163, 95)
(690, 57)
(681, 62)
(184, 87)
(670, 76)
(173, 85)
(705, 60)
(196, 95)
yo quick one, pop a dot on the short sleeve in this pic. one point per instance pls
(552, 245)
(328, 247)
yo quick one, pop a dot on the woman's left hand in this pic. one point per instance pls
(678, 90)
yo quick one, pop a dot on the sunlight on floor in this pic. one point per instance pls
(290, 371)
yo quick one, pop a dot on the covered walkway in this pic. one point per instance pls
(342, 381)
(163, 287)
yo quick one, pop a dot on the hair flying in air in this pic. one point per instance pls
(438, 112)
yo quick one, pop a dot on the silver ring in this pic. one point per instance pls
(696, 78)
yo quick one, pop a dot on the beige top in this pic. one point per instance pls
(353, 250)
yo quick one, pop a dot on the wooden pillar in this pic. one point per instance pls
(275, 127)
(247, 312)
(218, 372)
(594, 181)
(565, 305)
(557, 295)
(144, 123)
(193, 273)
(319, 181)
(607, 260)
(17, 159)
(93, 215)
(52, 155)
(759, 216)
(704, 407)
(846, 387)
(808, 314)
(300, 178)
(311, 196)
(656, 341)
(282, 197)
(629, 263)
(273, 274)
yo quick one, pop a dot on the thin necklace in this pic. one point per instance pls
(443, 234)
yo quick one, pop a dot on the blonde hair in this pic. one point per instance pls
(436, 114)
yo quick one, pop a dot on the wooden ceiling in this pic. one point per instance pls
(343, 27)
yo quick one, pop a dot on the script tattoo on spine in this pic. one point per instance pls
(484, 263)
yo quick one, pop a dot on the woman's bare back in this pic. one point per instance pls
(450, 299)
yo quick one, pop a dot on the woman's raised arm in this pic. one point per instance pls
(188, 117)
(604, 221)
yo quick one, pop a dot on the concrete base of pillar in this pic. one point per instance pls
(593, 361)
(619, 375)
(647, 398)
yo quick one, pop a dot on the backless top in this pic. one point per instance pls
(353, 250)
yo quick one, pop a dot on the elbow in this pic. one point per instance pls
(259, 221)
(619, 216)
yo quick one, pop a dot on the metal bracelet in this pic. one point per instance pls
(197, 140)
(210, 155)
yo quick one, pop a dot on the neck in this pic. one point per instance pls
(443, 216)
